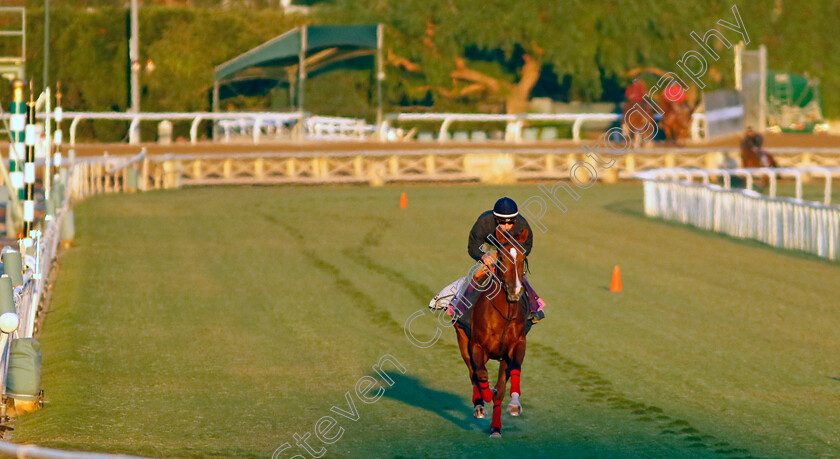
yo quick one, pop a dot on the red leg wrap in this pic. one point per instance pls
(476, 395)
(497, 415)
(514, 382)
(486, 393)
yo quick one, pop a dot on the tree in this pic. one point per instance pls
(509, 43)
(498, 50)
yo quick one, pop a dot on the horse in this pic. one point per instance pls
(498, 327)
(676, 119)
(752, 157)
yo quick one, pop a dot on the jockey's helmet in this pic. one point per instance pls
(505, 210)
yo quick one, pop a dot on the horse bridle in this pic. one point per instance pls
(511, 315)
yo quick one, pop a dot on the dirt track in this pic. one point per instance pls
(771, 141)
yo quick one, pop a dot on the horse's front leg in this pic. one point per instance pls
(517, 357)
(498, 398)
(479, 363)
(464, 347)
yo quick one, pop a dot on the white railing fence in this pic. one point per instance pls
(789, 223)
(753, 175)
(514, 123)
(384, 165)
(254, 125)
(259, 125)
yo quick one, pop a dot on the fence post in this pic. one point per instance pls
(132, 179)
(144, 176)
(197, 175)
(258, 168)
(291, 168)
(227, 169)
(358, 161)
(430, 164)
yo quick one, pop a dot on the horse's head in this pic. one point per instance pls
(511, 262)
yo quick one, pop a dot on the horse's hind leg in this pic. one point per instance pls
(463, 346)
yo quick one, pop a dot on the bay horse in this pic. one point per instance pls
(676, 120)
(498, 331)
(676, 112)
(753, 157)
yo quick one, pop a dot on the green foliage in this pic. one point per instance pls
(593, 44)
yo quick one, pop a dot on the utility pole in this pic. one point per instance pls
(134, 57)
(46, 44)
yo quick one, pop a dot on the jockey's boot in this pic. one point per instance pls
(536, 316)
(535, 303)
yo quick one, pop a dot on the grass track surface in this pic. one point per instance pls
(219, 322)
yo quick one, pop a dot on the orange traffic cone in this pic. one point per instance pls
(615, 285)
(403, 201)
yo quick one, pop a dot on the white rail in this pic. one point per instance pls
(37, 452)
(789, 223)
(799, 174)
(515, 122)
(320, 126)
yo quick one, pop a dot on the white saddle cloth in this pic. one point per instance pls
(442, 299)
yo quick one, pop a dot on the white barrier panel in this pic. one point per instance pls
(780, 222)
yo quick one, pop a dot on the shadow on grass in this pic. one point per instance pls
(449, 406)
(635, 208)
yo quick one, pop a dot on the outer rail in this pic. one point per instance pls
(789, 223)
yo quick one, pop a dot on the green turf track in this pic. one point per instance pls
(218, 322)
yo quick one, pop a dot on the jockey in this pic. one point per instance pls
(753, 140)
(505, 214)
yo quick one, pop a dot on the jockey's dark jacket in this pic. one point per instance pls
(486, 225)
(753, 142)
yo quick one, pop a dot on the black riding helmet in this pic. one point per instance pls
(505, 210)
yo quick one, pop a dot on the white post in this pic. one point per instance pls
(134, 130)
(194, 130)
(443, 135)
(73, 125)
(576, 129)
(47, 148)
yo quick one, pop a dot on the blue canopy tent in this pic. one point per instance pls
(295, 54)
